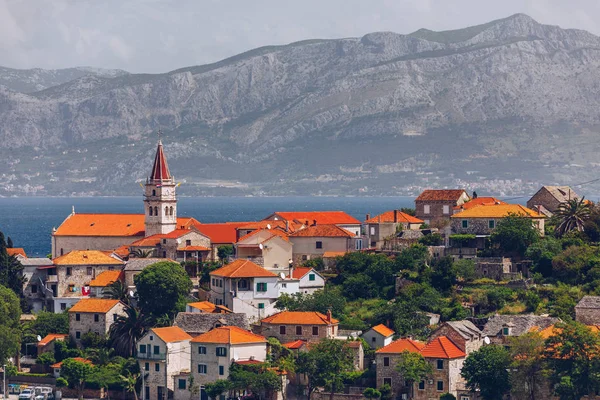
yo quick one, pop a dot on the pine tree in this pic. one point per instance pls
(11, 270)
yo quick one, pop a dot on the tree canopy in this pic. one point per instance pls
(10, 329)
(487, 370)
(514, 234)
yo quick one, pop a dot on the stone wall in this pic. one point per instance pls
(436, 210)
(81, 275)
(587, 316)
(544, 198)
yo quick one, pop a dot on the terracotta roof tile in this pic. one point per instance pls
(334, 254)
(50, 337)
(243, 269)
(171, 334)
(248, 362)
(122, 251)
(322, 217)
(299, 272)
(299, 318)
(442, 347)
(400, 345)
(80, 359)
(229, 335)
(225, 233)
(93, 306)
(14, 251)
(441, 195)
(296, 344)
(497, 211)
(205, 306)
(194, 248)
(389, 216)
(86, 257)
(105, 278)
(383, 330)
(479, 201)
(102, 225)
(323, 231)
(263, 235)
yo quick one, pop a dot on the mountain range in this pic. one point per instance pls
(500, 108)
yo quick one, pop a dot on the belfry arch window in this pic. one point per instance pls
(150, 211)
(156, 211)
(153, 192)
(171, 210)
(166, 210)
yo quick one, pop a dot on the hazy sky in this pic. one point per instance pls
(161, 35)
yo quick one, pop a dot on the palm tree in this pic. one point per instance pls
(572, 214)
(102, 356)
(129, 383)
(117, 291)
(125, 332)
(140, 253)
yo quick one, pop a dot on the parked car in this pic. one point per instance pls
(45, 396)
(26, 394)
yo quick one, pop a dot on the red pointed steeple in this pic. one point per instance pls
(160, 170)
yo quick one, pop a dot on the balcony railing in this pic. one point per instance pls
(152, 356)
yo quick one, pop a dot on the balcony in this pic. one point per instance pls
(152, 356)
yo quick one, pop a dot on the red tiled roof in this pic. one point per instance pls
(383, 330)
(105, 278)
(93, 305)
(187, 223)
(225, 233)
(440, 195)
(50, 337)
(299, 318)
(13, 251)
(208, 307)
(83, 360)
(388, 216)
(333, 254)
(442, 347)
(295, 344)
(171, 334)
(229, 335)
(243, 269)
(249, 362)
(122, 251)
(322, 231)
(160, 169)
(272, 232)
(487, 201)
(86, 257)
(322, 217)
(497, 211)
(299, 272)
(398, 346)
(194, 248)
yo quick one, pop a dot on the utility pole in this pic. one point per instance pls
(4, 381)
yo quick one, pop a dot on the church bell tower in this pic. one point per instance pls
(160, 201)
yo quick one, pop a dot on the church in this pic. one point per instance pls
(158, 231)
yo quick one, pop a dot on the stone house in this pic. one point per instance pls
(270, 249)
(306, 218)
(587, 311)
(162, 354)
(35, 271)
(501, 268)
(46, 345)
(243, 286)
(187, 244)
(548, 198)
(386, 359)
(499, 328)
(464, 334)
(195, 324)
(436, 206)
(378, 336)
(93, 315)
(316, 240)
(136, 265)
(388, 224)
(289, 326)
(213, 352)
(103, 280)
(447, 361)
(481, 221)
(358, 354)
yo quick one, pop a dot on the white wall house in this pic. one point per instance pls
(162, 354)
(378, 336)
(269, 248)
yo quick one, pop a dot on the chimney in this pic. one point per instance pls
(314, 222)
(287, 226)
(395, 215)
(367, 217)
(329, 315)
(306, 223)
(291, 267)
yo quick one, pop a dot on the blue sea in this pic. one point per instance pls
(29, 220)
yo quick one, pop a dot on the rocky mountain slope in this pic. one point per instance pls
(501, 107)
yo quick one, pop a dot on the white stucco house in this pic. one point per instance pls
(378, 336)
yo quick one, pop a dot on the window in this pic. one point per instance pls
(304, 257)
(63, 306)
(69, 271)
(164, 254)
(221, 283)
(166, 211)
(33, 288)
(146, 366)
(143, 348)
(464, 398)
(96, 318)
(311, 277)
(243, 284)
(188, 242)
(156, 349)
(221, 370)
(164, 241)
(282, 330)
(181, 384)
(491, 224)
(77, 335)
(157, 367)
(465, 223)
(358, 244)
(89, 270)
(284, 285)
(446, 209)
(298, 330)
(505, 331)
(201, 349)
(77, 317)
(319, 245)
(387, 381)
(261, 306)
(261, 287)
(426, 209)
(422, 385)
(115, 317)
(153, 193)
(221, 352)
(440, 386)
(171, 210)
(151, 337)
(156, 211)
(386, 361)
(372, 230)
(71, 288)
(202, 368)
(373, 339)
(440, 364)
(315, 331)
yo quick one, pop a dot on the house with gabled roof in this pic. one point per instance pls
(387, 224)
(386, 360)
(548, 198)
(303, 280)
(103, 280)
(196, 324)
(162, 354)
(378, 336)
(220, 234)
(587, 310)
(269, 248)
(464, 334)
(93, 315)
(46, 345)
(500, 328)
(206, 307)
(243, 286)
(188, 244)
(309, 326)
(307, 218)
(476, 202)
(135, 266)
(434, 206)
(316, 240)
(213, 352)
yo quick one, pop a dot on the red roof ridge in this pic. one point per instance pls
(442, 347)
(400, 345)
(242, 268)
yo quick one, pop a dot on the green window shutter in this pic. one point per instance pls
(311, 277)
